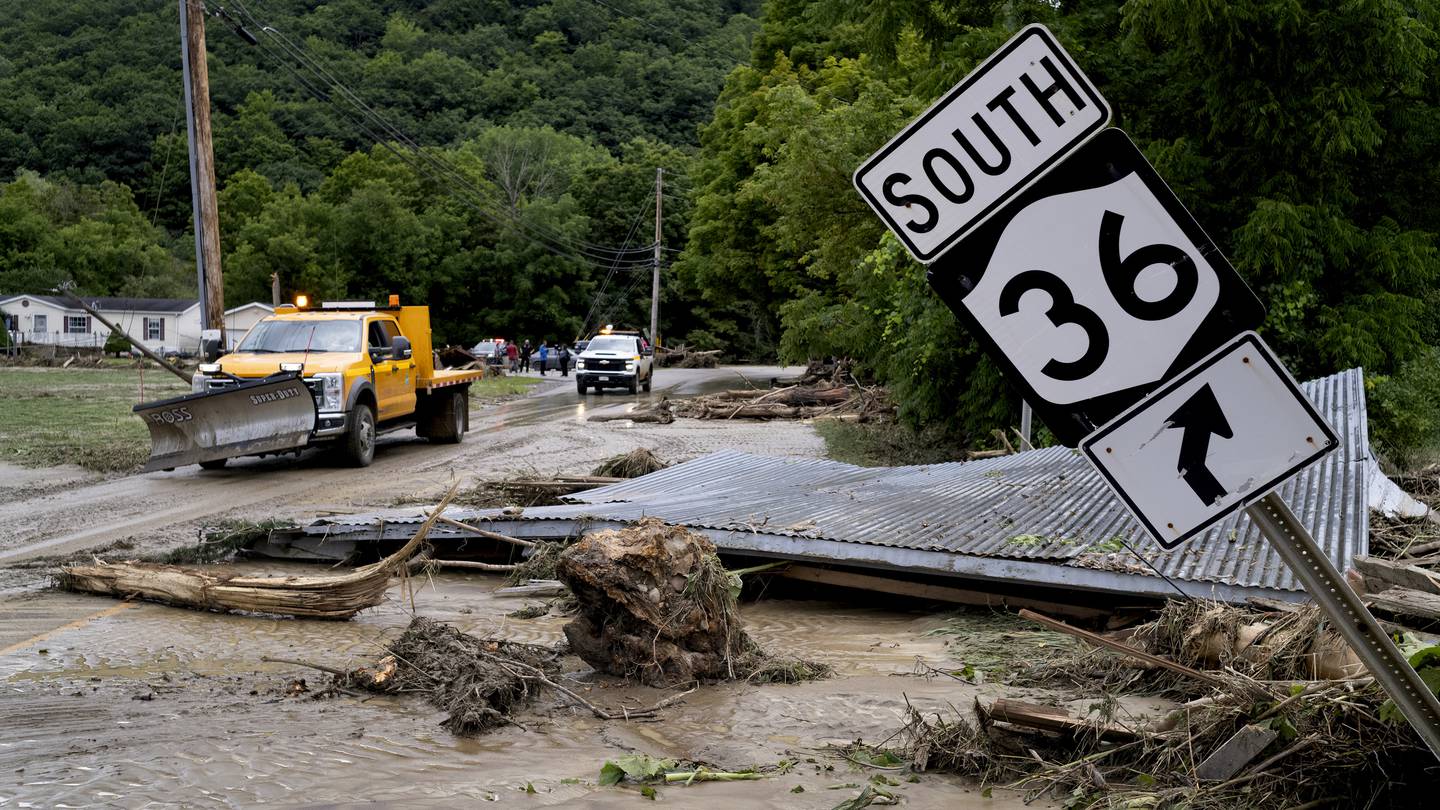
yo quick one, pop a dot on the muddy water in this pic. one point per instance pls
(147, 705)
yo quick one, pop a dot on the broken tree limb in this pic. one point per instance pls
(920, 590)
(1049, 718)
(1407, 602)
(484, 533)
(1391, 573)
(659, 414)
(142, 348)
(1125, 649)
(535, 587)
(478, 566)
(324, 597)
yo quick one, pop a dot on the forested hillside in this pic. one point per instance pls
(554, 115)
(1303, 136)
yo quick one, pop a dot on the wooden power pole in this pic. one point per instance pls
(202, 166)
(655, 277)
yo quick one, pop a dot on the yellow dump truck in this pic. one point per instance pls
(339, 374)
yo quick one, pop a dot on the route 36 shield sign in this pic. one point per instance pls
(1093, 287)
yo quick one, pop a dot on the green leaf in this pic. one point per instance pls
(648, 792)
(798, 789)
(611, 774)
(529, 788)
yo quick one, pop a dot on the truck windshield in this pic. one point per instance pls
(298, 336)
(612, 343)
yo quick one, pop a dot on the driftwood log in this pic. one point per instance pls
(323, 597)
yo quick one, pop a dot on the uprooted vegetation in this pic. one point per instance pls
(655, 604)
(633, 464)
(477, 682)
(1325, 736)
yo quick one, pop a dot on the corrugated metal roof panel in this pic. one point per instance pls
(1043, 506)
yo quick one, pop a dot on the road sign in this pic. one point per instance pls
(1093, 287)
(1010, 120)
(1214, 439)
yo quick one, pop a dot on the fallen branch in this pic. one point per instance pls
(1125, 649)
(324, 597)
(484, 533)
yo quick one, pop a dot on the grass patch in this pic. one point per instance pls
(78, 416)
(886, 444)
(502, 386)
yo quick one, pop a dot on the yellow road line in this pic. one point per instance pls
(110, 611)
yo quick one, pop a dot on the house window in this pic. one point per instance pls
(12, 323)
(39, 323)
(77, 324)
(154, 328)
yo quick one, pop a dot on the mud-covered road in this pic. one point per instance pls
(119, 704)
(68, 511)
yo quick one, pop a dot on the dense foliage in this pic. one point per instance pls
(1302, 136)
(550, 117)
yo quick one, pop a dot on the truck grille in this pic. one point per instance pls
(604, 364)
(222, 383)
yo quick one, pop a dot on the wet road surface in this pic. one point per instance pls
(136, 705)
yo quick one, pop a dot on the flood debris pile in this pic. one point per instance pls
(798, 401)
(655, 604)
(221, 542)
(633, 464)
(478, 682)
(1274, 715)
(683, 356)
(524, 490)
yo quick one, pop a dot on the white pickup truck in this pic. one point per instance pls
(615, 361)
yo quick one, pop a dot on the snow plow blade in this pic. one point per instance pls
(266, 416)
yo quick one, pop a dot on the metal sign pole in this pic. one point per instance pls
(1349, 616)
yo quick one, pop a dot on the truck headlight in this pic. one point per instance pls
(629, 365)
(198, 384)
(332, 392)
(579, 364)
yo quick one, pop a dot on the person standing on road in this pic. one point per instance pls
(525, 355)
(544, 357)
(564, 360)
(512, 352)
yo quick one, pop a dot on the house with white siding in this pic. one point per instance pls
(164, 325)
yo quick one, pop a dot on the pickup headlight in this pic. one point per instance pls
(579, 364)
(629, 365)
(198, 384)
(332, 394)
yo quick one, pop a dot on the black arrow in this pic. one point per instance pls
(1200, 417)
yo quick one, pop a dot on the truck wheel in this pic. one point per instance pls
(360, 439)
(580, 387)
(648, 380)
(634, 384)
(217, 464)
(447, 424)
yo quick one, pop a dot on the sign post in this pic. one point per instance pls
(1058, 245)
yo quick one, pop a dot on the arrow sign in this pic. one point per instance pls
(1198, 419)
(1210, 441)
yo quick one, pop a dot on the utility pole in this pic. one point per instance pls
(655, 277)
(202, 166)
(275, 289)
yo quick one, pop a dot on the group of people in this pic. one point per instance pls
(516, 357)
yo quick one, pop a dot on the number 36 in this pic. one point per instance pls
(1120, 276)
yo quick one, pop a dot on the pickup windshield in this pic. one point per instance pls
(612, 343)
(298, 336)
